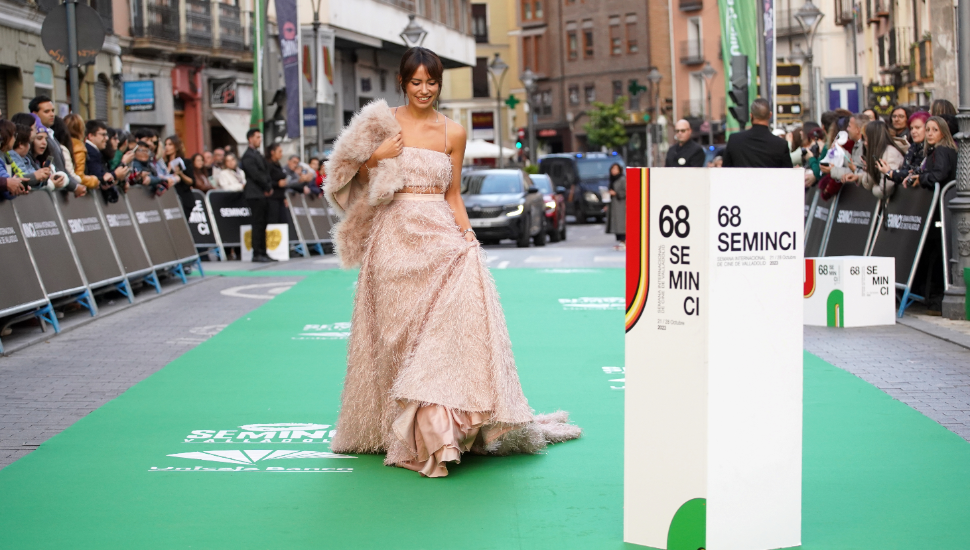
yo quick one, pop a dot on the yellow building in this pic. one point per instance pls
(469, 95)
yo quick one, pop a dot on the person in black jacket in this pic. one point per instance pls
(757, 147)
(940, 165)
(257, 192)
(686, 152)
(277, 177)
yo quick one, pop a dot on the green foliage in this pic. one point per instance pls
(532, 169)
(605, 127)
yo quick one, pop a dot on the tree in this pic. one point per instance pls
(605, 127)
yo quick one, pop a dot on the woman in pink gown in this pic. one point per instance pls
(430, 371)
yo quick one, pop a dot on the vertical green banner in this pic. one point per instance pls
(259, 24)
(739, 35)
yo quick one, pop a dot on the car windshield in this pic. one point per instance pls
(595, 168)
(542, 183)
(491, 183)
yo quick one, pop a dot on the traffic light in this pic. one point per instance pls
(739, 88)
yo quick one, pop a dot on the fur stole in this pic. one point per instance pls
(351, 199)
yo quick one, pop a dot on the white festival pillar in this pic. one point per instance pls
(713, 414)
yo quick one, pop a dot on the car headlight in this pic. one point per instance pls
(518, 210)
(591, 197)
(551, 205)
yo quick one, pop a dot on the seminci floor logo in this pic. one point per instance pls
(252, 460)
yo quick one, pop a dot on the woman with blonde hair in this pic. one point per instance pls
(940, 164)
(79, 153)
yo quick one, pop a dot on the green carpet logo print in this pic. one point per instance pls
(285, 432)
(332, 331)
(592, 303)
(253, 456)
(836, 309)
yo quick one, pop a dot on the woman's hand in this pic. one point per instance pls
(127, 157)
(391, 148)
(825, 168)
(882, 166)
(80, 191)
(470, 236)
(850, 178)
(612, 193)
(43, 174)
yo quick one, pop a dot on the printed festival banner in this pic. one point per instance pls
(739, 34)
(259, 23)
(286, 19)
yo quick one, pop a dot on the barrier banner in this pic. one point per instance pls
(294, 233)
(319, 212)
(48, 244)
(809, 197)
(229, 211)
(277, 242)
(134, 258)
(199, 223)
(903, 223)
(90, 238)
(21, 286)
(852, 222)
(817, 225)
(150, 221)
(170, 207)
(302, 218)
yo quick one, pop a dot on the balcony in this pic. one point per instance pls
(693, 108)
(691, 5)
(786, 24)
(205, 25)
(894, 50)
(692, 52)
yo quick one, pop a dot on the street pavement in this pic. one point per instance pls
(48, 382)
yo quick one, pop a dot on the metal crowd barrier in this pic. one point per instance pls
(56, 248)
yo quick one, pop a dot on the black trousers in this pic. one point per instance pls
(260, 209)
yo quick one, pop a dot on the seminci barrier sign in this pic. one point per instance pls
(713, 409)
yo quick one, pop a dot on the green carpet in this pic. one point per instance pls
(877, 474)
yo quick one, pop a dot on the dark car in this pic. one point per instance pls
(586, 177)
(503, 204)
(555, 204)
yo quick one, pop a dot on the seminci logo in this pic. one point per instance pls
(263, 434)
(253, 456)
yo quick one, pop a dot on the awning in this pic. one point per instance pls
(481, 149)
(235, 122)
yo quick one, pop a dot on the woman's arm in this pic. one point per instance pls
(456, 140)
(390, 148)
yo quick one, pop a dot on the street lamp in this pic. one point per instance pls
(498, 68)
(708, 73)
(316, 71)
(808, 17)
(653, 77)
(413, 35)
(528, 79)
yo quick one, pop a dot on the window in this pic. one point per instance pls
(631, 33)
(617, 89)
(3, 92)
(527, 50)
(450, 13)
(588, 38)
(590, 92)
(101, 87)
(480, 78)
(537, 54)
(616, 41)
(463, 16)
(526, 10)
(546, 103)
(43, 80)
(572, 42)
(573, 94)
(480, 23)
(538, 9)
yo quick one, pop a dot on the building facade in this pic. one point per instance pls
(696, 38)
(587, 51)
(26, 70)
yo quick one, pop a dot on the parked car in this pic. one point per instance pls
(504, 204)
(586, 176)
(555, 204)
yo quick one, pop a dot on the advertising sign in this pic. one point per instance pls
(48, 244)
(902, 228)
(139, 95)
(739, 35)
(277, 242)
(882, 98)
(845, 92)
(223, 92)
(124, 233)
(170, 206)
(319, 212)
(850, 291)
(229, 211)
(199, 222)
(90, 237)
(21, 286)
(151, 225)
(286, 18)
(713, 341)
(853, 221)
(483, 125)
(301, 218)
(817, 224)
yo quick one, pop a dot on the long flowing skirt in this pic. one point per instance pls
(430, 371)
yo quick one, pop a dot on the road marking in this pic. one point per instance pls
(327, 261)
(609, 258)
(543, 259)
(490, 259)
(263, 291)
(502, 265)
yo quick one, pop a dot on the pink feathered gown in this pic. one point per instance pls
(430, 372)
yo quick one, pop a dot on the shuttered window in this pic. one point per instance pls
(3, 93)
(101, 99)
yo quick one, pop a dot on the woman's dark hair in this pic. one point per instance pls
(24, 119)
(7, 130)
(197, 156)
(269, 150)
(416, 57)
(878, 140)
(905, 109)
(22, 135)
(796, 139)
(942, 107)
(179, 148)
(617, 164)
(108, 152)
(61, 134)
(41, 158)
(839, 123)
